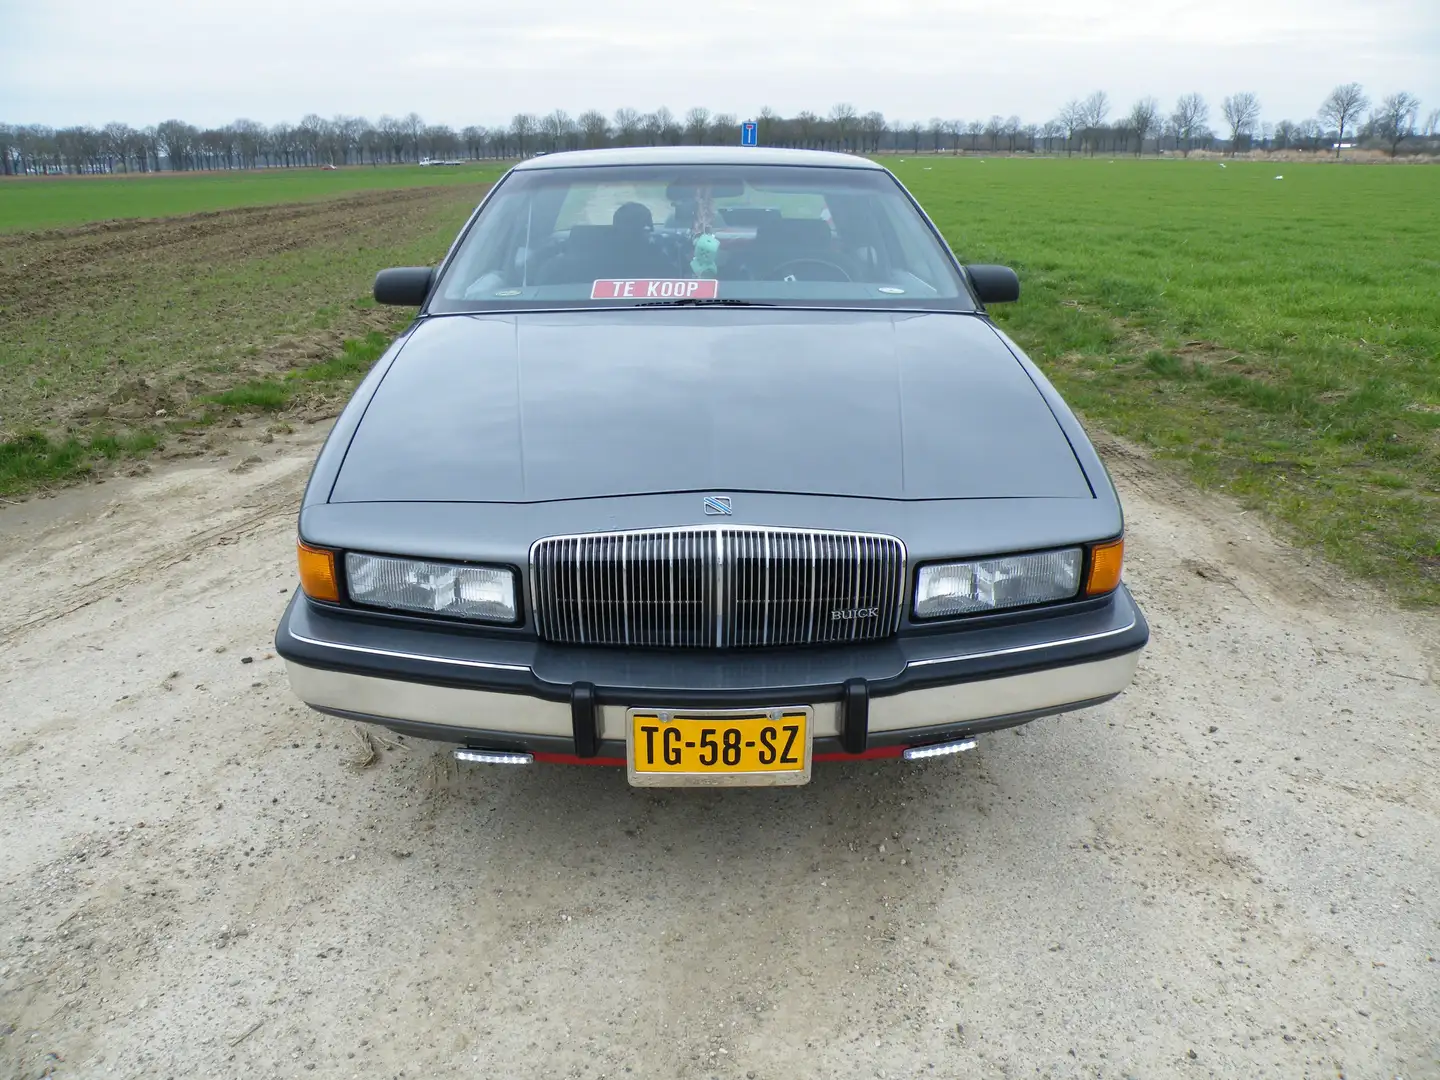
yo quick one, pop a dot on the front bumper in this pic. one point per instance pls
(568, 703)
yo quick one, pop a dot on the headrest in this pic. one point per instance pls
(633, 216)
(794, 232)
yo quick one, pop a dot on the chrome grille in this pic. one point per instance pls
(649, 588)
(711, 587)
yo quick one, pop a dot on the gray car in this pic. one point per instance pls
(706, 462)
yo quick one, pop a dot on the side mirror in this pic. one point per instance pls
(994, 284)
(405, 286)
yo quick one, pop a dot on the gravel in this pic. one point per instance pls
(1232, 870)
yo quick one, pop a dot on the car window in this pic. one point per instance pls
(769, 234)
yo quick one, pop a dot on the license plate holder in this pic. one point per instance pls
(762, 733)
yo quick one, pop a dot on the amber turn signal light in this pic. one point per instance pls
(317, 573)
(1106, 561)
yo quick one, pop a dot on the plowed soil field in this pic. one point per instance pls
(109, 324)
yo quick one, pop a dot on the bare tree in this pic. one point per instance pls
(725, 129)
(118, 140)
(554, 127)
(765, 122)
(669, 126)
(1432, 124)
(474, 138)
(936, 128)
(412, 126)
(177, 141)
(1143, 119)
(349, 130)
(138, 145)
(1395, 122)
(1071, 119)
(442, 144)
(391, 134)
(1048, 131)
(522, 126)
(1096, 109)
(1343, 107)
(627, 126)
(846, 121)
(1084, 123)
(594, 126)
(1240, 112)
(1012, 131)
(806, 123)
(697, 122)
(1189, 118)
(872, 125)
(955, 129)
(250, 137)
(314, 133)
(993, 128)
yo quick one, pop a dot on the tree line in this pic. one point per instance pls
(1083, 125)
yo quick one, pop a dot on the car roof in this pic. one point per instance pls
(698, 155)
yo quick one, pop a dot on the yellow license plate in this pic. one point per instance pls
(703, 747)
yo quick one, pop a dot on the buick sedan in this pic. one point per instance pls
(707, 463)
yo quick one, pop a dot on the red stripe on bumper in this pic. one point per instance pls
(865, 755)
(571, 759)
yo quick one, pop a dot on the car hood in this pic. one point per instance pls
(586, 404)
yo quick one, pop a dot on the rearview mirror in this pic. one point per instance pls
(405, 286)
(994, 284)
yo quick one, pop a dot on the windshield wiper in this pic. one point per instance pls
(703, 301)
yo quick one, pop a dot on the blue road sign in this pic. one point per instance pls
(749, 133)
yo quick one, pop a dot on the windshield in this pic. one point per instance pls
(572, 237)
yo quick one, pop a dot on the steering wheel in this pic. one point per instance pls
(826, 264)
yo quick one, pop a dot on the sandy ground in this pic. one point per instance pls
(1233, 870)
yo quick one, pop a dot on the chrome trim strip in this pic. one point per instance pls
(729, 527)
(394, 655)
(717, 572)
(1021, 648)
(814, 571)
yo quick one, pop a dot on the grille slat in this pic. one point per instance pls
(717, 587)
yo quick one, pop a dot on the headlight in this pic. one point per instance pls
(434, 588)
(962, 588)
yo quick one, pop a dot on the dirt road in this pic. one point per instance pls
(1233, 870)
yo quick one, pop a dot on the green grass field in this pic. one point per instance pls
(1280, 337)
(49, 202)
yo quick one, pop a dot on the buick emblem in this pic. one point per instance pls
(717, 504)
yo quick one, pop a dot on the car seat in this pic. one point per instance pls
(780, 240)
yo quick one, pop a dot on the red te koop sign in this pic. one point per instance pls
(654, 289)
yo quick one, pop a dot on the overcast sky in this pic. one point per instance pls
(463, 62)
